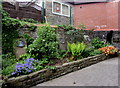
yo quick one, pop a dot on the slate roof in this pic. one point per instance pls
(77, 2)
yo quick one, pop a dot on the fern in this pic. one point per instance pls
(76, 49)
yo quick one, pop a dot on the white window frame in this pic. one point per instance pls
(61, 4)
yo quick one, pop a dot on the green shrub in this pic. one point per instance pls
(29, 39)
(8, 60)
(46, 45)
(4, 13)
(95, 52)
(62, 53)
(8, 70)
(9, 32)
(66, 27)
(26, 56)
(90, 52)
(31, 27)
(76, 49)
(97, 43)
(29, 20)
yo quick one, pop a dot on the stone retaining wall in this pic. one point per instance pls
(32, 79)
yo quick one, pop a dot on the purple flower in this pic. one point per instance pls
(13, 73)
(26, 67)
(29, 59)
(29, 70)
(36, 60)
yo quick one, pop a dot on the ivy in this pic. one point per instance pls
(66, 27)
(9, 32)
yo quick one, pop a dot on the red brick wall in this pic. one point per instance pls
(97, 15)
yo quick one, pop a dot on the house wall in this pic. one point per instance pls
(118, 15)
(97, 15)
(54, 19)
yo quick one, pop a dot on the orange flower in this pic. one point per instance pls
(108, 50)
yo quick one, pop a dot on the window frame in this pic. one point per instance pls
(61, 6)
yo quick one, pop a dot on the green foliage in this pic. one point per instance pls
(76, 49)
(26, 56)
(9, 32)
(31, 27)
(46, 45)
(95, 52)
(62, 53)
(4, 13)
(90, 52)
(97, 43)
(81, 26)
(40, 64)
(34, 64)
(51, 67)
(66, 27)
(8, 61)
(75, 36)
(28, 39)
(8, 70)
(30, 20)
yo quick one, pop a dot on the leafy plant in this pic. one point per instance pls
(4, 13)
(9, 32)
(95, 52)
(51, 67)
(29, 65)
(30, 20)
(31, 27)
(81, 26)
(8, 60)
(28, 39)
(97, 43)
(90, 51)
(76, 49)
(46, 45)
(62, 53)
(8, 70)
(26, 55)
(66, 27)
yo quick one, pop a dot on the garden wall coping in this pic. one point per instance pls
(34, 78)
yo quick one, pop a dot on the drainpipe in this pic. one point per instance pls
(70, 15)
(43, 12)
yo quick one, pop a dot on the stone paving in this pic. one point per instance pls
(104, 73)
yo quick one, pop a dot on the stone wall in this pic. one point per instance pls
(100, 34)
(54, 19)
(65, 37)
(35, 78)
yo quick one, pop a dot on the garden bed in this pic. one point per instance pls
(35, 78)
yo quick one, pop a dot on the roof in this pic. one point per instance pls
(78, 2)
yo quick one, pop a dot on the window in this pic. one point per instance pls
(60, 8)
(56, 7)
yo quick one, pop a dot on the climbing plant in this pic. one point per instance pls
(9, 32)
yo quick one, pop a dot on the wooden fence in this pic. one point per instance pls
(22, 12)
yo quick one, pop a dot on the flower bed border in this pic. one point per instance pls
(35, 78)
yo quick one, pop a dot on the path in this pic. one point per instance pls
(104, 73)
